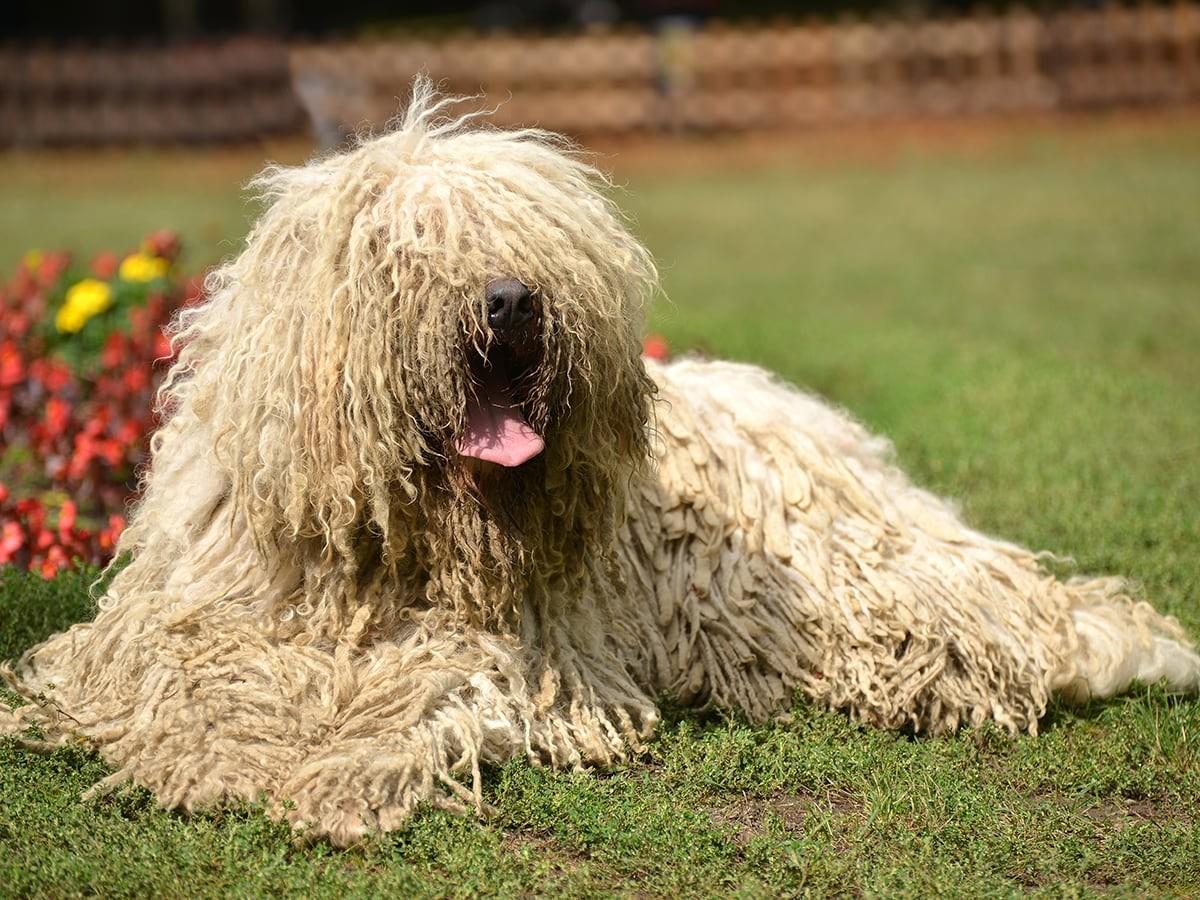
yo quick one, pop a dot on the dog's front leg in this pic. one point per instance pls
(406, 723)
(411, 721)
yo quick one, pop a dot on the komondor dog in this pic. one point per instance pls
(419, 505)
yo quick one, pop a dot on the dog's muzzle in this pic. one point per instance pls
(496, 429)
(510, 309)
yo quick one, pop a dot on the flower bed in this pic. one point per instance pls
(81, 355)
(82, 352)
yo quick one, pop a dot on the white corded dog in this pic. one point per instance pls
(420, 505)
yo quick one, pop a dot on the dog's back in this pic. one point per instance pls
(800, 556)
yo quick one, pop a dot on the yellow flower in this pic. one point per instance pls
(32, 260)
(143, 267)
(69, 320)
(85, 299)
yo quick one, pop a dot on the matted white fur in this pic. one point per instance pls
(325, 607)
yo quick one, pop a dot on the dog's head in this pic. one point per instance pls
(430, 347)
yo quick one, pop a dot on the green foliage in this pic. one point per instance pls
(1023, 325)
(81, 349)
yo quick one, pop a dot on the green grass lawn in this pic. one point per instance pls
(1023, 321)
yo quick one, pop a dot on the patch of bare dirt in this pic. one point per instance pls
(1112, 812)
(746, 817)
(544, 847)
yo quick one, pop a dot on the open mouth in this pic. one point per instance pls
(496, 428)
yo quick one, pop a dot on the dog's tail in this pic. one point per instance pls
(1121, 642)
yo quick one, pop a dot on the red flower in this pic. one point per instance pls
(54, 561)
(116, 345)
(111, 452)
(31, 509)
(136, 379)
(129, 432)
(11, 540)
(105, 265)
(16, 322)
(58, 415)
(12, 367)
(110, 535)
(66, 519)
(44, 539)
(163, 351)
(52, 374)
(655, 347)
(164, 243)
(52, 265)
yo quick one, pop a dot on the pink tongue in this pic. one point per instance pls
(496, 430)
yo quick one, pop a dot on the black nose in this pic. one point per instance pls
(509, 306)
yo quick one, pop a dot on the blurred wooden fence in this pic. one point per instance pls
(225, 91)
(717, 77)
(787, 75)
